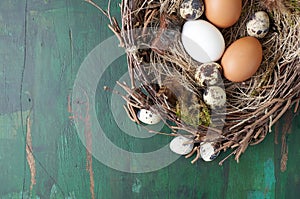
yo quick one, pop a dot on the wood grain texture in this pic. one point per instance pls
(42, 45)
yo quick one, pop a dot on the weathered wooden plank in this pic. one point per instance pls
(58, 37)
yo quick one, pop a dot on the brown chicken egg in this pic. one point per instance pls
(223, 13)
(242, 59)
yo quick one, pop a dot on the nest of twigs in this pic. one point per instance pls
(162, 74)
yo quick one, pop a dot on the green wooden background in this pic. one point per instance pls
(42, 45)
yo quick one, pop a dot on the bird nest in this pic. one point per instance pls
(163, 80)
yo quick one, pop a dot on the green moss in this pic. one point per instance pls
(193, 114)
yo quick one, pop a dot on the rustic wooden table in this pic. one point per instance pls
(43, 44)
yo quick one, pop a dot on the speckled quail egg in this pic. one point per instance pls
(215, 97)
(207, 151)
(208, 74)
(191, 9)
(148, 117)
(181, 145)
(258, 25)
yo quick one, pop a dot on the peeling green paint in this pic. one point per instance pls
(136, 186)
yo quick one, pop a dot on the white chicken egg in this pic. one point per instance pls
(202, 41)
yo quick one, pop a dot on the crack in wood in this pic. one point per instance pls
(89, 157)
(88, 139)
(21, 91)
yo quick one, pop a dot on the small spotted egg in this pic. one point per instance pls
(215, 97)
(207, 151)
(191, 9)
(148, 117)
(181, 145)
(258, 25)
(208, 74)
